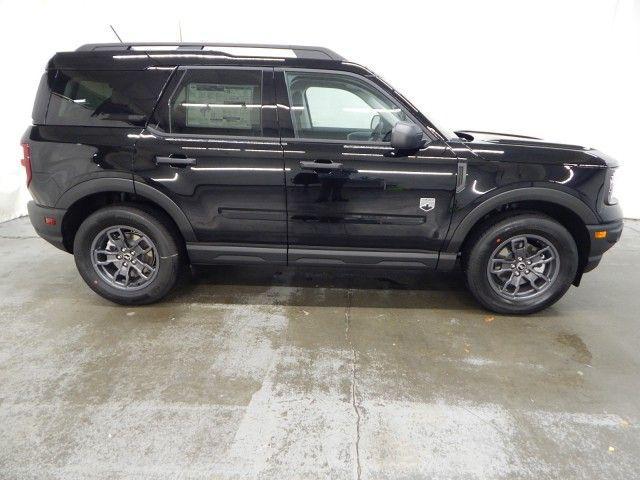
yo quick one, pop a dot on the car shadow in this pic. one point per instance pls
(318, 286)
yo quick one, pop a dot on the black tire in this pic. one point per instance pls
(145, 220)
(487, 240)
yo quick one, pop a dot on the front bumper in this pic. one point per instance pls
(600, 245)
(47, 223)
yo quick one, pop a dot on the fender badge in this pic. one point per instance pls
(427, 204)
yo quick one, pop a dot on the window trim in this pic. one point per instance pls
(373, 85)
(306, 105)
(180, 73)
(229, 138)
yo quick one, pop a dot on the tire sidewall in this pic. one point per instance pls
(168, 261)
(548, 229)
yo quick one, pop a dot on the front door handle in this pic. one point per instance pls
(175, 161)
(320, 165)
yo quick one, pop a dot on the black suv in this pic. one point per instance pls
(144, 158)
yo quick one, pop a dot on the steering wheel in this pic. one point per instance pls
(377, 128)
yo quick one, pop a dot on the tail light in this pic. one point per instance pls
(26, 161)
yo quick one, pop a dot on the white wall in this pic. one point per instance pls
(564, 70)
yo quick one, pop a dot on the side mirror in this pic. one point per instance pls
(407, 136)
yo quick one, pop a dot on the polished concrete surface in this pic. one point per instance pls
(292, 374)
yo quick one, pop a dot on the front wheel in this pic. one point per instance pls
(127, 254)
(522, 264)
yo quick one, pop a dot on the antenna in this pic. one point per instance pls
(116, 34)
(180, 30)
(120, 40)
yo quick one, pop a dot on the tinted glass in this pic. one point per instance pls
(41, 103)
(103, 98)
(336, 106)
(218, 102)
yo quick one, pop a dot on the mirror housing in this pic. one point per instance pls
(407, 136)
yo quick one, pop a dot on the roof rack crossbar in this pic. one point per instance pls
(320, 53)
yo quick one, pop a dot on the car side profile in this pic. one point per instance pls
(144, 158)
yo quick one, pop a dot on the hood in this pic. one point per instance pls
(523, 149)
(510, 139)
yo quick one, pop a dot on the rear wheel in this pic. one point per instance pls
(521, 264)
(127, 254)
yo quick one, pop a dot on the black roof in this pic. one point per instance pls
(139, 56)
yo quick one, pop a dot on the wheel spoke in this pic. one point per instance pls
(541, 261)
(540, 252)
(534, 285)
(513, 248)
(540, 275)
(517, 285)
(150, 268)
(142, 251)
(507, 283)
(124, 238)
(135, 245)
(113, 276)
(118, 240)
(141, 270)
(519, 247)
(104, 262)
(500, 262)
(111, 257)
(123, 271)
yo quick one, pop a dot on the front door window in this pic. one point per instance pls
(332, 106)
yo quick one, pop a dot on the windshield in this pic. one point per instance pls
(446, 132)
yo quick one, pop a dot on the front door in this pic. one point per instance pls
(349, 200)
(213, 148)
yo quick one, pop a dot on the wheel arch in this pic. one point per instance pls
(568, 210)
(85, 198)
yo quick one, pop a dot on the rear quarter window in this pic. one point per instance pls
(103, 98)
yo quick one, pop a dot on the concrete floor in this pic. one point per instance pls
(291, 374)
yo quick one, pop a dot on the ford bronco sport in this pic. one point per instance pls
(143, 158)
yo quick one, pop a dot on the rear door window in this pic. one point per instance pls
(103, 98)
(217, 102)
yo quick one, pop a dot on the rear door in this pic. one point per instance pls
(213, 148)
(349, 199)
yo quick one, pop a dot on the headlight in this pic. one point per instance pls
(611, 198)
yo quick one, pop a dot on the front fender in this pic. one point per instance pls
(459, 232)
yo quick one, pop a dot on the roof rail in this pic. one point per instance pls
(229, 49)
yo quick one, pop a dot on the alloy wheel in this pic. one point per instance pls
(523, 267)
(124, 257)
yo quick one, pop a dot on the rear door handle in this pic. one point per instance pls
(175, 161)
(321, 165)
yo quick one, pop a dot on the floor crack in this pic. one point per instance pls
(354, 361)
